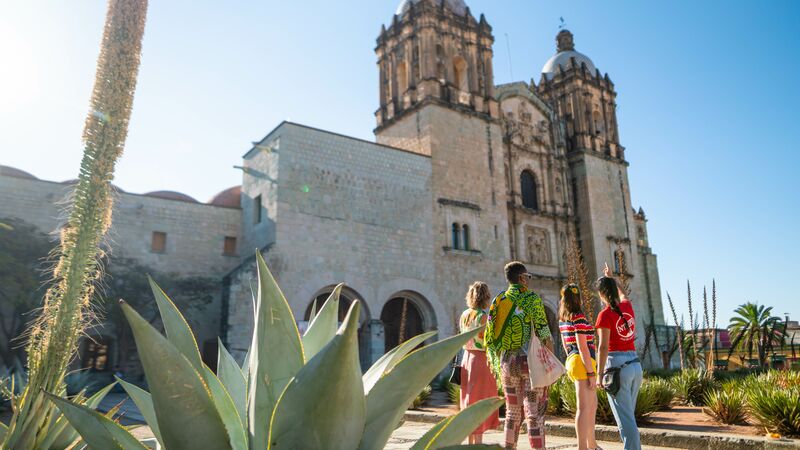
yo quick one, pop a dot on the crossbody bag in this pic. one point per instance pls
(611, 377)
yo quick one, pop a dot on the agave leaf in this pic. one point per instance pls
(144, 402)
(323, 326)
(388, 399)
(227, 411)
(61, 434)
(324, 406)
(234, 381)
(185, 410)
(176, 327)
(313, 313)
(390, 359)
(454, 429)
(97, 430)
(276, 355)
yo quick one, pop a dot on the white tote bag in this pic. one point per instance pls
(543, 366)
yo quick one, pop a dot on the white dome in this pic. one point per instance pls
(457, 6)
(563, 59)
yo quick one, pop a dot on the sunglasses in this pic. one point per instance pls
(527, 275)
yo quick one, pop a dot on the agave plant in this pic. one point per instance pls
(292, 391)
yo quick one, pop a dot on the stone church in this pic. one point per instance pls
(464, 175)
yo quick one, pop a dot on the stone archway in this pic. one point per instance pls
(346, 298)
(405, 315)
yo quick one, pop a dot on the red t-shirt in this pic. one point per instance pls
(622, 338)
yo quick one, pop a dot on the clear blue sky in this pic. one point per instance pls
(708, 106)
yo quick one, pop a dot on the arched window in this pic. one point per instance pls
(598, 122)
(465, 234)
(619, 261)
(528, 187)
(456, 237)
(402, 78)
(460, 73)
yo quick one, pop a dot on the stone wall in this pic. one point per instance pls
(347, 211)
(195, 232)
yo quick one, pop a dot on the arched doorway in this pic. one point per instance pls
(346, 298)
(405, 315)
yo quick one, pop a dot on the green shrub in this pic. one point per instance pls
(774, 402)
(422, 397)
(664, 374)
(692, 385)
(647, 401)
(726, 405)
(660, 390)
(555, 405)
(454, 393)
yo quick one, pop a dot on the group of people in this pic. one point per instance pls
(498, 357)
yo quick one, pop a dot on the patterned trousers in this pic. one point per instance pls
(519, 395)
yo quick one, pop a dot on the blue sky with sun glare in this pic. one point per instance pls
(708, 100)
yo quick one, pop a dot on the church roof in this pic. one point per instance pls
(172, 195)
(9, 171)
(229, 198)
(563, 58)
(457, 6)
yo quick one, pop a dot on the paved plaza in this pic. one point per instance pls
(405, 436)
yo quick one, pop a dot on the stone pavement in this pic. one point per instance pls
(405, 436)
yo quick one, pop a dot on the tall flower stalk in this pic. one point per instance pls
(54, 336)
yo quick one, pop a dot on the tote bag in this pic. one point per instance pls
(543, 366)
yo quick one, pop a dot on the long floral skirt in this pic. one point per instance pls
(477, 383)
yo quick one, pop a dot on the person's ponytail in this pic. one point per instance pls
(607, 287)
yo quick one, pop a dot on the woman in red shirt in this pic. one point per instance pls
(616, 330)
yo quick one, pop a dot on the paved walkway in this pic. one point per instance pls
(405, 436)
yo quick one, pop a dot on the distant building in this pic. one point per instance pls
(463, 177)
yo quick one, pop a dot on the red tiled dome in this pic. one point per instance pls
(172, 195)
(230, 198)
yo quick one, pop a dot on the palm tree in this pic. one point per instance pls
(754, 326)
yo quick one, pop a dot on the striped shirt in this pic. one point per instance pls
(571, 328)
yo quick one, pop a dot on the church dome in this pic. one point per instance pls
(457, 6)
(172, 195)
(229, 198)
(16, 173)
(566, 51)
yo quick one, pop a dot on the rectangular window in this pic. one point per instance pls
(229, 247)
(257, 209)
(159, 242)
(95, 354)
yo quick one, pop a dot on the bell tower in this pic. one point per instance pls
(434, 52)
(436, 99)
(607, 226)
(583, 97)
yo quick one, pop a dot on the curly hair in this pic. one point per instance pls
(478, 295)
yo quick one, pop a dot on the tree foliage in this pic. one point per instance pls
(23, 249)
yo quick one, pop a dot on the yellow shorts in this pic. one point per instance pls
(575, 369)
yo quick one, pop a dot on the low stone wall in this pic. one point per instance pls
(655, 437)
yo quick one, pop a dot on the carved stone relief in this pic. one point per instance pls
(538, 245)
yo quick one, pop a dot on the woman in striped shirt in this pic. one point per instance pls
(577, 335)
